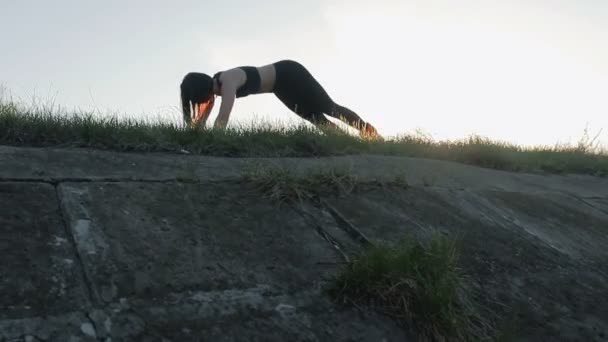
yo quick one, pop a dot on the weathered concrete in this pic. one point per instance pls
(55, 164)
(540, 258)
(148, 239)
(150, 247)
(39, 273)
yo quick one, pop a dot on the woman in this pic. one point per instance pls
(288, 80)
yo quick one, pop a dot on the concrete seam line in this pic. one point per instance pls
(345, 224)
(57, 181)
(91, 293)
(584, 201)
(324, 234)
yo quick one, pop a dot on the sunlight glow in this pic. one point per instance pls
(466, 72)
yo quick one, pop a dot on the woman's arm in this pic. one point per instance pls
(228, 94)
(230, 81)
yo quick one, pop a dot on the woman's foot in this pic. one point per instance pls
(369, 132)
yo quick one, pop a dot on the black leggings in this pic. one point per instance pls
(301, 93)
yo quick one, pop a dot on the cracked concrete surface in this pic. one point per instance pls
(106, 246)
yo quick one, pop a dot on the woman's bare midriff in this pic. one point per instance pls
(238, 77)
(267, 78)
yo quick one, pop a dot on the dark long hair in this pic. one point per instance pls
(196, 88)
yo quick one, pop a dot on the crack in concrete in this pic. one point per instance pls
(89, 329)
(322, 232)
(92, 321)
(345, 224)
(584, 201)
(88, 282)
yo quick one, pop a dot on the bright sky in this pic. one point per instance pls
(526, 71)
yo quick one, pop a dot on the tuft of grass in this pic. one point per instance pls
(43, 128)
(419, 285)
(49, 126)
(282, 184)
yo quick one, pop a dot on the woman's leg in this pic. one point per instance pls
(303, 94)
(319, 120)
(353, 119)
(301, 109)
(300, 91)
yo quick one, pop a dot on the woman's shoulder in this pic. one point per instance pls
(234, 76)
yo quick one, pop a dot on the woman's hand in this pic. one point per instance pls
(202, 111)
(369, 132)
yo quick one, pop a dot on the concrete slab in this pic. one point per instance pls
(560, 221)
(389, 215)
(179, 248)
(71, 326)
(261, 314)
(57, 164)
(40, 272)
(541, 256)
(254, 314)
(145, 240)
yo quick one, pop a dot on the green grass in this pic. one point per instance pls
(284, 185)
(48, 127)
(418, 285)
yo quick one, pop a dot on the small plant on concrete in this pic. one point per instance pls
(400, 181)
(419, 285)
(282, 184)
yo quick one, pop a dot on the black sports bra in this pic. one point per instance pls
(251, 86)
